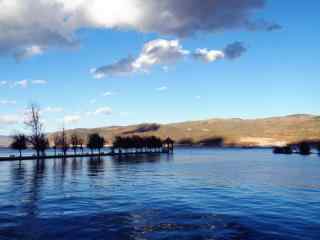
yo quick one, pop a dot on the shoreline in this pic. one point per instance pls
(109, 154)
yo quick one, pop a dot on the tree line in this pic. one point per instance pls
(61, 142)
(39, 141)
(303, 148)
(137, 144)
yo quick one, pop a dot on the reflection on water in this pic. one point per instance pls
(95, 166)
(193, 194)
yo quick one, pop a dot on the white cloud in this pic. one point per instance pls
(104, 111)
(159, 51)
(197, 97)
(164, 52)
(156, 52)
(7, 102)
(208, 55)
(39, 82)
(22, 83)
(162, 89)
(9, 119)
(28, 27)
(71, 119)
(2, 83)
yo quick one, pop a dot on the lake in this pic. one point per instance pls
(193, 194)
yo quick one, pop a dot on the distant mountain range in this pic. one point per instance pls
(272, 131)
(4, 141)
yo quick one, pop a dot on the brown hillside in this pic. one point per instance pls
(240, 132)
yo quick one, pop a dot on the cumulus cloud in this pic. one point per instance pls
(29, 27)
(208, 55)
(234, 50)
(71, 119)
(156, 52)
(164, 52)
(159, 51)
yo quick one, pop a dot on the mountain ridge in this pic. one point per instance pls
(270, 131)
(259, 132)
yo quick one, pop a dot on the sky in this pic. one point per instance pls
(104, 63)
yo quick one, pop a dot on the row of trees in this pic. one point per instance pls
(40, 143)
(137, 143)
(303, 148)
(60, 142)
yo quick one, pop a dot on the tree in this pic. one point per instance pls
(95, 141)
(43, 144)
(33, 121)
(19, 143)
(81, 142)
(137, 143)
(75, 142)
(304, 148)
(63, 142)
(55, 143)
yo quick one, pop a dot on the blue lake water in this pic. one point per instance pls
(193, 194)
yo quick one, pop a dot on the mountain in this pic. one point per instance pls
(4, 141)
(232, 132)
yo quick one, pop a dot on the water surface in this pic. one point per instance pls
(193, 194)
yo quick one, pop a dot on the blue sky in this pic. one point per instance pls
(276, 75)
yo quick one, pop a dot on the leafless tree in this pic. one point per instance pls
(33, 121)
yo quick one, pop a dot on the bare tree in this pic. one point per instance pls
(33, 121)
